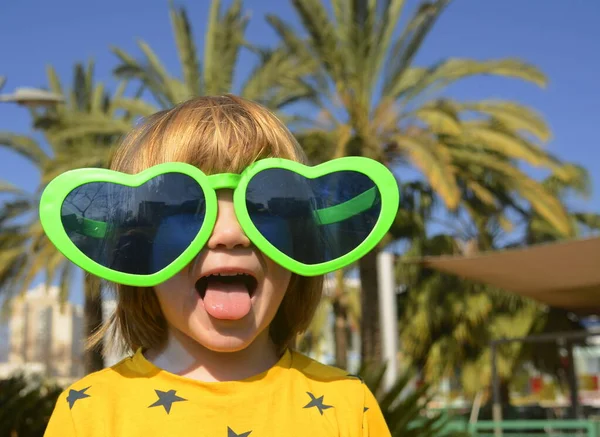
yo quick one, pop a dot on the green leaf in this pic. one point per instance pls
(454, 69)
(513, 115)
(24, 146)
(224, 39)
(107, 127)
(186, 49)
(488, 138)
(343, 14)
(7, 187)
(112, 108)
(80, 93)
(388, 21)
(296, 48)
(159, 73)
(541, 201)
(405, 409)
(98, 98)
(409, 79)
(482, 193)
(131, 69)
(318, 145)
(135, 106)
(439, 119)
(434, 163)
(408, 43)
(322, 35)
(210, 47)
(95, 159)
(15, 208)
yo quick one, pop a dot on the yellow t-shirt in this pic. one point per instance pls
(296, 397)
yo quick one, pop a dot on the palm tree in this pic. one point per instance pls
(25, 251)
(276, 81)
(448, 323)
(538, 230)
(374, 102)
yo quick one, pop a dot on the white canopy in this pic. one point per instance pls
(564, 275)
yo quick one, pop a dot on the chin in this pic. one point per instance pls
(233, 339)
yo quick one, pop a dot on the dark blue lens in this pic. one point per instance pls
(313, 220)
(135, 230)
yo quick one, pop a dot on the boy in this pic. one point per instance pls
(211, 343)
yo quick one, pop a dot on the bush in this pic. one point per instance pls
(406, 414)
(26, 404)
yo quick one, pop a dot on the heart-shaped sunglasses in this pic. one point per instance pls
(142, 229)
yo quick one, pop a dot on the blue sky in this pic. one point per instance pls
(560, 37)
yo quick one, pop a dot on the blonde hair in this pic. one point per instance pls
(221, 134)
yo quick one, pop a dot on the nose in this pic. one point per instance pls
(227, 233)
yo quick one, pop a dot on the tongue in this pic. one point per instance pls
(227, 301)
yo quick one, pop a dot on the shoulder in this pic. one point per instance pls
(314, 369)
(331, 378)
(102, 384)
(84, 405)
(327, 387)
(85, 384)
(114, 372)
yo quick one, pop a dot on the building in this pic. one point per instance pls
(44, 335)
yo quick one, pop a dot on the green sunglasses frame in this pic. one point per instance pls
(59, 188)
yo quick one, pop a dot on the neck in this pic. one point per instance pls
(184, 356)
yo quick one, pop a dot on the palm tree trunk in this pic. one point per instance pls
(92, 312)
(340, 333)
(370, 337)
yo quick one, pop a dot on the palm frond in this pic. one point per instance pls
(186, 49)
(7, 187)
(322, 37)
(224, 39)
(388, 18)
(98, 127)
(534, 192)
(408, 43)
(516, 117)
(135, 107)
(496, 139)
(24, 146)
(454, 69)
(130, 69)
(434, 162)
(440, 119)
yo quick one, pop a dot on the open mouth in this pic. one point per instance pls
(226, 279)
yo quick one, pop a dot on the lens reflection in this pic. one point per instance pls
(137, 230)
(313, 220)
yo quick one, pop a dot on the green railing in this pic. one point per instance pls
(528, 428)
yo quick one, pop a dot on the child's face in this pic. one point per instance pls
(225, 313)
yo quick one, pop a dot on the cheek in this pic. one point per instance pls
(278, 279)
(174, 297)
